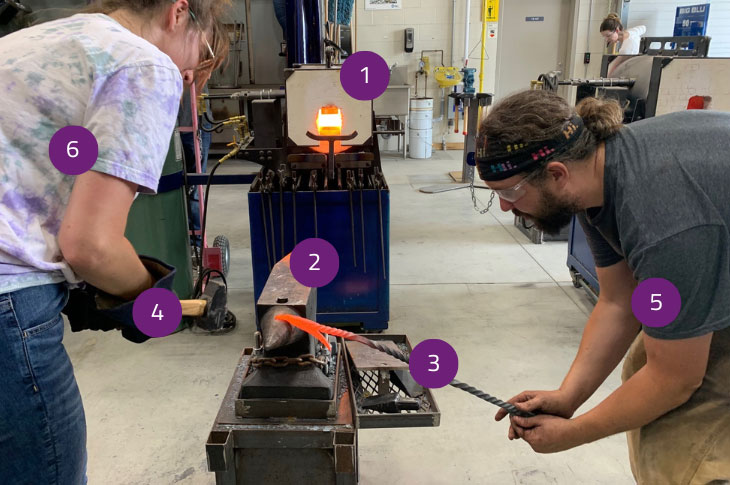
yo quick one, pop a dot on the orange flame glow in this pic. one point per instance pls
(329, 120)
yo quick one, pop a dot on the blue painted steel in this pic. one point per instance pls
(355, 296)
(304, 32)
(580, 257)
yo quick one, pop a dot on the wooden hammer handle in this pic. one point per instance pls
(193, 308)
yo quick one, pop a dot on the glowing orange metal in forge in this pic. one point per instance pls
(329, 123)
(329, 120)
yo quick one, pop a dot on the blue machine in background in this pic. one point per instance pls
(304, 31)
(581, 264)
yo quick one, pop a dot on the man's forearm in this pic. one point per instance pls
(606, 338)
(647, 395)
(115, 269)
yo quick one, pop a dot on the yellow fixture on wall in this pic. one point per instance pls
(447, 76)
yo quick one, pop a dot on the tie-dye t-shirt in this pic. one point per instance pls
(86, 70)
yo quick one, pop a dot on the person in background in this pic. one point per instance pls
(613, 31)
(117, 71)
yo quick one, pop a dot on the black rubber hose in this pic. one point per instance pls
(213, 128)
(198, 290)
(204, 222)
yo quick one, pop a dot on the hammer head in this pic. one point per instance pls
(216, 308)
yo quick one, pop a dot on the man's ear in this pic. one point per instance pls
(558, 173)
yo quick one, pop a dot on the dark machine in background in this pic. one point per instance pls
(9, 9)
(671, 74)
(634, 84)
(285, 33)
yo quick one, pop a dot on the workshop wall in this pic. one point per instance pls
(658, 17)
(382, 31)
(587, 37)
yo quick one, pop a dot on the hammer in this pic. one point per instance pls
(210, 310)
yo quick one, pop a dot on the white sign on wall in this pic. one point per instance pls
(492, 30)
(382, 4)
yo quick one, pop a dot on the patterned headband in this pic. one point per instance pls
(498, 161)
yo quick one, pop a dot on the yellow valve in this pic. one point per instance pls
(447, 76)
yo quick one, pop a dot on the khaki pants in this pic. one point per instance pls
(689, 445)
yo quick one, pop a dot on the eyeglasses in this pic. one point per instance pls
(516, 192)
(202, 33)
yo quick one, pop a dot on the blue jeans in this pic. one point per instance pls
(42, 422)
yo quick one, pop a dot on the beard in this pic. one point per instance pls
(555, 214)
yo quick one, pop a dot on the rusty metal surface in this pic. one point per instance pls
(365, 358)
(247, 450)
(282, 289)
(306, 360)
(283, 294)
(370, 382)
(227, 419)
(287, 408)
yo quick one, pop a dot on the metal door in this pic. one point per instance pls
(533, 38)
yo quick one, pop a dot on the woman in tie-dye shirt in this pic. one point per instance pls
(119, 73)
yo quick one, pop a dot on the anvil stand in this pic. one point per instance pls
(472, 127)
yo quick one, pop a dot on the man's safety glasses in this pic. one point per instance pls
(517, 191)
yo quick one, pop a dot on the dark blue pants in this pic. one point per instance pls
(42, 422)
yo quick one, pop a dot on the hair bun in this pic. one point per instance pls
(603, 117)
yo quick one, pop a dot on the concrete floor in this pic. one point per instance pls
(507, 307)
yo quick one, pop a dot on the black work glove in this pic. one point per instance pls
(93, 309)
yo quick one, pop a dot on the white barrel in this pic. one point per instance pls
(420, 129)
(421, 113)
(420, 143)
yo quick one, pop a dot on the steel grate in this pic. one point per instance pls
(366, 384)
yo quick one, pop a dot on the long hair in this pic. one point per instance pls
(537, 115)
(611, 23)
(208, 13)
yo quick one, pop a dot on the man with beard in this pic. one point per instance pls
(652, 198)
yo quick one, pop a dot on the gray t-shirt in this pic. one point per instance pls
(666, 212)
